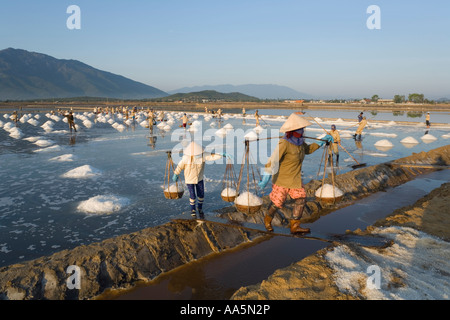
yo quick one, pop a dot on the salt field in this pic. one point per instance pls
(59, 189)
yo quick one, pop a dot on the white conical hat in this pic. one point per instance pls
(193, 149)
(294, 122)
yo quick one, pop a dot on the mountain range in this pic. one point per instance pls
(261, 91)
(28, 75)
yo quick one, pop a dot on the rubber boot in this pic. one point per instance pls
(269, 217)
(296, 216)
(296, 228)
(201, 214)
(194, 214)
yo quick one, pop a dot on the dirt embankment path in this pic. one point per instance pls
(414, 267)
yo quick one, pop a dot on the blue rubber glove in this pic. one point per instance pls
(327, 138)
(265, 179)
(175, 178)
(226, 155)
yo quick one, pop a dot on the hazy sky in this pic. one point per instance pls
(323, 48)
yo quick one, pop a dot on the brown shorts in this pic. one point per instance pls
(279, 194)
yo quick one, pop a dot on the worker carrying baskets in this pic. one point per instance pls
(193, 164)
(285, 166)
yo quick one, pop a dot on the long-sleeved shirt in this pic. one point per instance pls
(285, 163)
(194, 167)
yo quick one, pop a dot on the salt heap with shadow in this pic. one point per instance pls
(104, 204)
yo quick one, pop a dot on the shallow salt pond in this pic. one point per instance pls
(108, 178)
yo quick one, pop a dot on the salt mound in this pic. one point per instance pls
(229, 192)
(120, 127)
(167, 128)
(328, 192)
(346, 136)
(82, 172)
(8, 126)
(87, 123)
(228, 126)
(428, 137)
(33, 122)
(221, 132)
(258, 129)
(103, 204)
(174, 188)
(251, 136)
(391, 123)
(49, 149)
(384, 143)
(248, 199)
(409, 140)
(15, 133)
(64, 158)
(445, 136)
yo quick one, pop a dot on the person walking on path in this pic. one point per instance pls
(427, 120)
(71, 121)
(360, 129)
(193, 164)
(285, 168)
(336, 142)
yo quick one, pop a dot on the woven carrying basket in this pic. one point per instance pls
(329, 200)
(173, 195)
(228, 199)
(248, 209)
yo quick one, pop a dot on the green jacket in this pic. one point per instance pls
(285, 163)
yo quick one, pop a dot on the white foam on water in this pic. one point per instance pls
(104, 204)
(64, 158)
(32, 139)
(82, 172)
(383, 134)
(44, 143)
(49, 149)
(415, 267)
(248, 199)
(327, 192)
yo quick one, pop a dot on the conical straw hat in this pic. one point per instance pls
(294, 122)
(193, 149)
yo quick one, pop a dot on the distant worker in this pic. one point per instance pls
(14, 117)
(193, 164)
(185, 120)
(71, 121)
(151, 120)
(243, 112)
(360, 117)
(285, 168)
(334, 145)
(427, 120)
(360, 129)
(257, 117)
